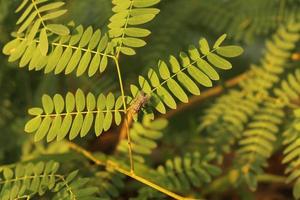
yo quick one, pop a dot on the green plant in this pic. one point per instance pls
(246, 121)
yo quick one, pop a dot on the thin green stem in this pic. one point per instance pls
(126, 115)
(123, 34)
(38, 13)
(73, 47)
(83, 112)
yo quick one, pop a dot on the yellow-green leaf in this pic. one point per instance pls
(230, 51)
(33, 124)
(43, 129)
(76, 126)
(218, 61)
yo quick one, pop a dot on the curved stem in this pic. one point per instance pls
(115, 166)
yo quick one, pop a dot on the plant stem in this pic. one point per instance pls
(126, 115)
(115, 166)
(38, 13)
(263, 178)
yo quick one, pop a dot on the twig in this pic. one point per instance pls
(115, 166)
(127, 112)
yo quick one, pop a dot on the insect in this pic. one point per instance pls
(139, 102)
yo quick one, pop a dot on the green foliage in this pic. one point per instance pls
(28, 180)
(83, 50)
(36, 14)
(240, 130)
(192, 170)
(144, 137)
(74, 115)
(110, 183)
(246, 21)
(123, 26)
(184, 73)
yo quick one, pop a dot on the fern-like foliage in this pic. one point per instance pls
(184, 174)
(234, 110)
(256, 146)
(29, 180)
(83, 50)
(37, 13)
(74, 115)
(291, 153)
(246, 21)
(250, 113)
(159, 86)
(144, 137)
(123, 25)
(289, 89)
(110, 183)
(226, 120)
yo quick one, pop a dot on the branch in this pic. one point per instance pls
(115, 166)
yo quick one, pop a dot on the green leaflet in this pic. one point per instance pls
(38, 13)
(54, 15)
(230, 51)
(188, 83)
(43, 129)
(76, 126)
(137, 32)
(204, 47)
(28, 55)
(184, 174)
(54, 129)
(186, 73)
(127, 51)
(35, 111)
(124, 30)
(144, 137)
(145, 3)
(87, 35)
(43, 42)
(163, 70)
(33, 124)
(142, 19)
(90, 53)
(53, 59)
(81, 112)
(218, 61)
(83, 65)
(134, 42)
(58, 29)
(35, 179)
(177, 90)
(59, 103)
(219, 41)
(47, 104)
(107, 121)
